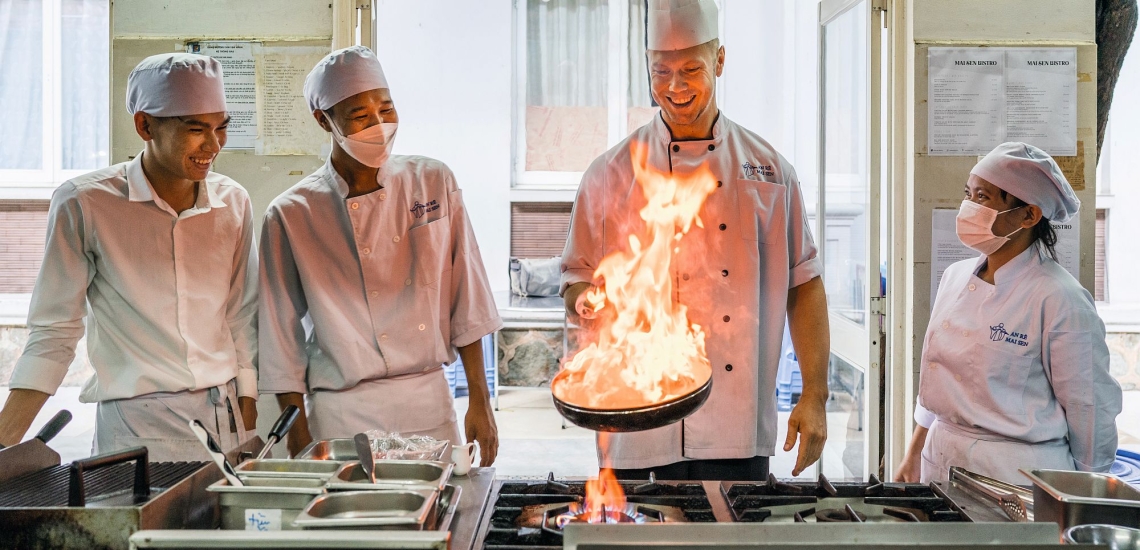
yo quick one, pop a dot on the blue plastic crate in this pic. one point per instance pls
(789, 382)
(457, 377)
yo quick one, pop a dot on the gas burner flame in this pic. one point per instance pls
(643, 350)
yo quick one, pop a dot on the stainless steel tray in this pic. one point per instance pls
(329, 449)
(392, 474)
(282, 468)
(1075, 498)
(412, 509)
(290, 495)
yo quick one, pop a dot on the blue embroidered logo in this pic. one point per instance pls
(999, 334)
(753, 170)
(419, 209)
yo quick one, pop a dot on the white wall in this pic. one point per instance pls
(449, 65)
(1120, 166)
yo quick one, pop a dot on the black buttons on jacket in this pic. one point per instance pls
(724, 273)
(676, 148)
(723, 227)
(728, 368)
(719, 183)
(727, 318)
(711, 147)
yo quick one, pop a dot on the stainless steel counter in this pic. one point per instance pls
(476, 487)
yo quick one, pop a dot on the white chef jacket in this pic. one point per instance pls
(170, 300)
(385, 284)
(733, 273)
(1024, 359)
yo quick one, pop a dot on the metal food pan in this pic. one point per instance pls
(290, 495)
(411, 509)
(338, 450)
(282, 468)
(1076, 498)
(392, 474)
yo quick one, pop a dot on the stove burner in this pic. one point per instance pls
(837, 515)
(560, 516)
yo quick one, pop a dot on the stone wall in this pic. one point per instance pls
(12, 341)
(528, 357)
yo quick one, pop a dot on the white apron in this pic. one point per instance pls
(414, 404)
(161, 423)
(949, 444)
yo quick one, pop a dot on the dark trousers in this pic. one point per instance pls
(732, 469)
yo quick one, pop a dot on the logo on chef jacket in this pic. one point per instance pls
(751, 170)
(999, 334)
(419, 209)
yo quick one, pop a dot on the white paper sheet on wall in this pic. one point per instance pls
(285, 125)
(980, 97)
(236, 58)
(946, 249)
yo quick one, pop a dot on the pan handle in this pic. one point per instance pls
(54, 426)
(77, 491)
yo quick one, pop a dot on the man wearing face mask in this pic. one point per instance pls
(372, 279)
(1014, 365)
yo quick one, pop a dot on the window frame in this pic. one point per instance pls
(617, 108)
(40, 183)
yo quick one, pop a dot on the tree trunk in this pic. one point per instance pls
(1115, 26)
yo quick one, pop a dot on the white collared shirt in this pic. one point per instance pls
(170, 300)
(1024, 359)
(385, 284)
(733, 274)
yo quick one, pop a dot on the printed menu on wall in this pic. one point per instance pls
(980, 97)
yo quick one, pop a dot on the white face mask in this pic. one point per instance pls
(975, 227)
(370, 146)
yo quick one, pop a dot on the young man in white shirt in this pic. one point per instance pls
(154, 259)
(371, 279)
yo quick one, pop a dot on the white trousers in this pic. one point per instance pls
(416, 404)
(161, 423)
(948, 444)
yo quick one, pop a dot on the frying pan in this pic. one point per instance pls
(636, 419)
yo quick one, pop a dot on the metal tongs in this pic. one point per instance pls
(1016, 502)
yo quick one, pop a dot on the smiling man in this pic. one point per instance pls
(750, 264)
(155, 259)
(371, 279)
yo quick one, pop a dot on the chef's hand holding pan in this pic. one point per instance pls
(589, 302)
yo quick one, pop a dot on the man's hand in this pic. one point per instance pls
(586, 300)
(248, 407)
(808, 423)
(299, 436)
(910, 470)
(480, 426)
(19, 411)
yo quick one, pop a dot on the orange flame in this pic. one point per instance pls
(604, 497)
(645, 350)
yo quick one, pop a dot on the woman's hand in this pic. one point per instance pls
(910, 470)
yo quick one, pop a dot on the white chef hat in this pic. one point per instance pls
(681, 24)
(1031, 175)
(342, 74)
(176, 84)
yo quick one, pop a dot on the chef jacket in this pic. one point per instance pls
(384, 284)
(170, 300)
(1024, 359)
(733, 272)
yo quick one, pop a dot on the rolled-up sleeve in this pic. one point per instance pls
(922, 416)
(473, 311)
(1077, 362)
(241, 307)
(584, 242)
(59, 299)
(803, 256)
(282, 360)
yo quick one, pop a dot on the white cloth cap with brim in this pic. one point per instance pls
(1031, 175)
(681, 24)
(176, 84)
(343, 74)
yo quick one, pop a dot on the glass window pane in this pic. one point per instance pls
(84, 67)
(566, 77)
(641, 107)
(846, 158)
(21, 84)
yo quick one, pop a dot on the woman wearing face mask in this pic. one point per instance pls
(1014, 364)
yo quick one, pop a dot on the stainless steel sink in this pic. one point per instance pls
(288, 495)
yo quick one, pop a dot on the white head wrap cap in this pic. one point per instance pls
(681, 24)
(342, 74)
(1031, 175)
(176, 84)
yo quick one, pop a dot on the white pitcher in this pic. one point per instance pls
(463, 456)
